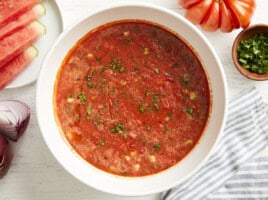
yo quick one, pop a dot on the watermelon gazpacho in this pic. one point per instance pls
(132, 98)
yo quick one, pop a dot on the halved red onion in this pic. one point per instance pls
(14, 118)
(5, 156)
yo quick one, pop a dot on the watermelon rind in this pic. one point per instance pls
(42, 8)
(31, 51)
(37, 25)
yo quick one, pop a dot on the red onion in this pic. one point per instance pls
(14, 118)
(5, 156)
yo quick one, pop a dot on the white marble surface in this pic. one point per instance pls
(35, 174)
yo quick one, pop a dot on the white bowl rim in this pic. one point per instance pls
(139, 180)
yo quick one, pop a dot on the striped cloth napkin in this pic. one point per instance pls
(238, 168)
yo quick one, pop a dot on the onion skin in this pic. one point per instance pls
(14, 118)
(5, 156)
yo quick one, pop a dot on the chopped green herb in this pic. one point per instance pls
(119, 128)
(82, 97)
(102, 143)
(252, 53)
(113, 64)
(76, 117)
(116, 65)
(112, 90)
(156, 106)
(155, 102)
(142, 108)
(156, 70)
(99, 60)
(189, 110)
(90, 85)
(115, 102)
(113, 130)
(147, 92)
(121, 69)
(125, 132)
(156, 146)
(186, 80)
(155, 97)
(89, 109)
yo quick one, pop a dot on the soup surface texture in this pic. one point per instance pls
(132, 98)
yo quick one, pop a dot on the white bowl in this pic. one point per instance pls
(83, 171)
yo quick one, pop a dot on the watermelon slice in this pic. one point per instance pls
(11, 9)
(23, 20)
(14, 44)
(12, 69)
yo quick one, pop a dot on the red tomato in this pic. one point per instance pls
(243, 10)
(225, 19)
(212, 21)
(198, 12)
(188, 3)
(225, 15)
(234, 19)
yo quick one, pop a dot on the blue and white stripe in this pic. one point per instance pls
(250, 182)
(231, 172)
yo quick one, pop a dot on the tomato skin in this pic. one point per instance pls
(225, 15)
(225, 19)
(188, 3)
(197, 13)
(234, 19)
(211, 22)
(243, 9)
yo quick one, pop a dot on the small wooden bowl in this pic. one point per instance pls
(247, 33)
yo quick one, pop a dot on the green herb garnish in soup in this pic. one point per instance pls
(142, 106)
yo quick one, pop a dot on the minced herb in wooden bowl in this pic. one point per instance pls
(250, 52)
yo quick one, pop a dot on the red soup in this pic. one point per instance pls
(132, 98)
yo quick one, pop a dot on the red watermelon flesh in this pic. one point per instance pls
(10, 9)
(12, 69)
(23, 20)
(13, 45)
